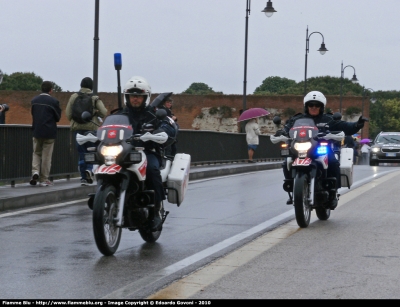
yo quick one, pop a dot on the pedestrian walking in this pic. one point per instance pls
(252, 133)
(3, 109)
(365, 149)
(46, 112)
(84, 100)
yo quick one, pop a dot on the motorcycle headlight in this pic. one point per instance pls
(110, 153)
(302, 146)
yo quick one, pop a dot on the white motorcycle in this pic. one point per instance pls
(122, 199)
(306, 148)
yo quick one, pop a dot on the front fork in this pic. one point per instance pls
(288, 183)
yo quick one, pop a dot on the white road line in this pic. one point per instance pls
(41, 208)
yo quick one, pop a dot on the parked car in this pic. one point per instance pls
(385, 148)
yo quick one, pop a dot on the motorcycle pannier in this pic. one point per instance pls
(178, 178)
(346, 167)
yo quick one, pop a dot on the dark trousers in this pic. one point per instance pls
(82, 149)
(153, 177)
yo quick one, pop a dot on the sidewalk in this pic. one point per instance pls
(24, 195)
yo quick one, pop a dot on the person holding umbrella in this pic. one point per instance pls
(252, 130)
(365, 149)
(252, 133)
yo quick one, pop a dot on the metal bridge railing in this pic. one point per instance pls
(205, 147)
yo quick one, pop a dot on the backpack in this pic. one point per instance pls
(82, 103)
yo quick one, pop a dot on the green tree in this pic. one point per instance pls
(24, 81)
(331, 86)
(199, 88)
(274, 85)
(377, 111)
(325, 84)
(391, 115)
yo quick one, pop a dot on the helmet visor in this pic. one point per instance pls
(135, 92)
(314, 104)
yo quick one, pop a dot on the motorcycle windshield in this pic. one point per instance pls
(303, 129)
(115, 129)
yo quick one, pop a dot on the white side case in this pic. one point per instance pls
(346, 166)
(178, 178)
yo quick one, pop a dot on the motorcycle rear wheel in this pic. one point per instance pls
(106, 233)
(323, 214)
(301, 195)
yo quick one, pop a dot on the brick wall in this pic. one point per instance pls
(185, 107)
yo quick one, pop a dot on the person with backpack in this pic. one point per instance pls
(79, 102)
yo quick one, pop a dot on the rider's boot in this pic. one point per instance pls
(333, 203)
(157, 220)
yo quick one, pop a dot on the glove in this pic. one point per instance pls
(280, 132)
(148, 128)
(361, 121)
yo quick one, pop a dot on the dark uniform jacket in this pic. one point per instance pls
(140, 116)
(46, 113)
(348, 128)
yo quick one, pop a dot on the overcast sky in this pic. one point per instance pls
(173, 43)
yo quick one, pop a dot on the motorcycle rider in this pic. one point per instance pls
(314, 106)
(137, 92)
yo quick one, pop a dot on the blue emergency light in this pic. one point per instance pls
(117, 61)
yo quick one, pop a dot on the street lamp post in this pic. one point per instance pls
(322, 50)
(354, 80)
(96, 47)
(1, 76)
(268, 10)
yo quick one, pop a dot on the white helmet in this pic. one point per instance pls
(138, 86)
(315, 96)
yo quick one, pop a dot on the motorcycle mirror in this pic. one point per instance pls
(86, 116)
(277, 120)
(159, 99)
(337, 116)
(161, 114)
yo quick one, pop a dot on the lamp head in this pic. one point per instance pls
(322, 49)
(269, 10)
(354, 79)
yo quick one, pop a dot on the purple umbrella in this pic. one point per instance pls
(365, 141)
(252, 113)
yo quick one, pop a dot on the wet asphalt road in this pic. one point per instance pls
(51, 253)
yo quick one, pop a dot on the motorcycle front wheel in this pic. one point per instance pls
(301, 196)
(106, 233)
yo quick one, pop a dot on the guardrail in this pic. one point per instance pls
(205, 147)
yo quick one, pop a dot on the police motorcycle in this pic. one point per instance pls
(305, 149)
(122, 200)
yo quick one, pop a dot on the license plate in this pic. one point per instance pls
(391, 154)
(284, 152)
